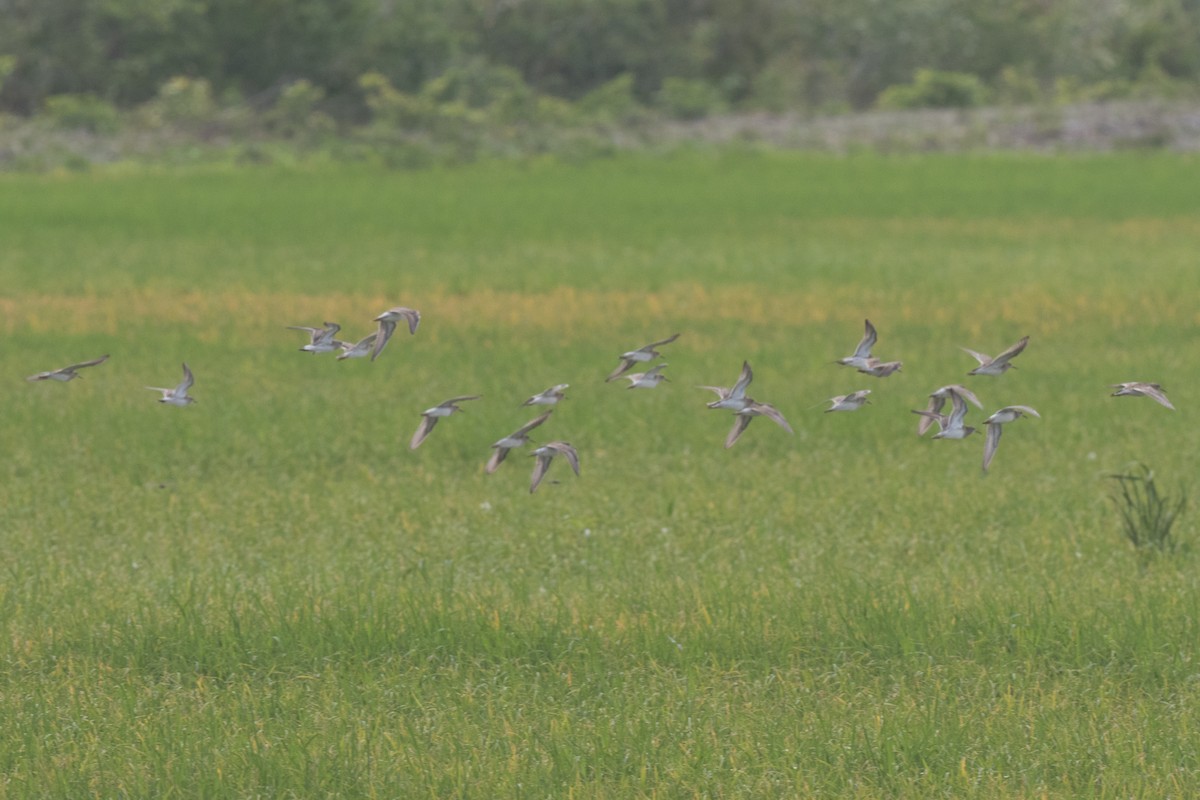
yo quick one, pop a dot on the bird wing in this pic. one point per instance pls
(739, 424)
(625, 365)
(743, 382)
(1012, 352)
(721, 391)
(427, 423)
(959, 412)
(991, 443)
(539, 471)
(533, 423)
(1155, 392)
(83, 364)
(326, 334)
(653, 345)
(498, 455)
(569, 452)
(186, 383)
(931, 414)
(975, 354)
(772, 413)
(313, 333)
(461, 399)
(386, 328)
(870, 337)
(964, 393)
(1026, 410)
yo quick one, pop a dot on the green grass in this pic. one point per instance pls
(267, 594)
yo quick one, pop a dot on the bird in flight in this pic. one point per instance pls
(67, 373)
(733, 398)
(545, 454)
(994, 425)
(849, 402)
(862, 353)
(322, 340)
(642, 354)
(430, 417)
(648, 379)
(951, 427)
(518, 438)
(1140, 389)
(387, 325)
(549, 397)
(744, 417)
(937, 399)
(359, 349)
(880, 369)
(179, 395)
(1001, 363)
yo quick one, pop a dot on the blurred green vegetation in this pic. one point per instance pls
(689, 57)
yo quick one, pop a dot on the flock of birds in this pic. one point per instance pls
(733, 399)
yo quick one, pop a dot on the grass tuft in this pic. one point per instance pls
(1148, 516)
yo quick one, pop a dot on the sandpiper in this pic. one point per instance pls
(642, 354)
(998, 365)
(937, 399)
(359, 349)
(862, 353)
(849, 402)
(430, 416)
(550, 397)
(995, 425)
(880, 369)
(1140, 389)
(951, 427)
(545, 454)
(179, 395)
(648, 379)
(746, 415)
(387, 325)
(322, 340)
(518, 438)
(67, 373)
(733, 398)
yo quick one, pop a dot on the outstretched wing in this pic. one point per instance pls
(539, 471)
(83, 364)
(870, 337)
(772, 413)
(427, 423)
(462, 399)
(964, 393)
(625, 365)
(386, 328)
(533, 423)
(498, 455)
(740, 422)
(931, 414)
(932, 417)
(186, 383)
(667, 340)
(991, 443)
(975, 354)
(569, 452)
(738, 391)
(1012, 352)
(1155, 392)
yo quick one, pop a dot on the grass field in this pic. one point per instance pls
(267, 594)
